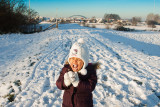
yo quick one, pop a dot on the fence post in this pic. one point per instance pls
(56, 24)
(40, 28)
(35, 28)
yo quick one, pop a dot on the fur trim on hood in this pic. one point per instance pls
(96, 65)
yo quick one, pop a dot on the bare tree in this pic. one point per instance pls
(150, 17)
(33, 14)
(21, 8)
(135, 20)
(154, 17)
(157, 18)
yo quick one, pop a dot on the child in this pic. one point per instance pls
(78, 78)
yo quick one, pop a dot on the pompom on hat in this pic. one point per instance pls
(80, 50)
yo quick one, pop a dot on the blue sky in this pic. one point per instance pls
(89, 8)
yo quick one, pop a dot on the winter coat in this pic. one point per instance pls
(80, 96)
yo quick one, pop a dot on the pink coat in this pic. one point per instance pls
(80, 96)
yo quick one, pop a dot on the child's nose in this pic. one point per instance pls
(75, 61)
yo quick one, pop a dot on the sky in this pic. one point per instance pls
(126, 9)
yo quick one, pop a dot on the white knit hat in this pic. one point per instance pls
(80, 50)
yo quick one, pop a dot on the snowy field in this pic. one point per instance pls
(129, 74)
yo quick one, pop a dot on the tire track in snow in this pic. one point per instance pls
(109, 77)
(33, 73)
(42, 81)
(50, 97)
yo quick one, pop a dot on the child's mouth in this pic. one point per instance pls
(75, 66)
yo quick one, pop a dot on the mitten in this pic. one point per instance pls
(67, 81)
(74, 78)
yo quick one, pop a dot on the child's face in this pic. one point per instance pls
(76, 64)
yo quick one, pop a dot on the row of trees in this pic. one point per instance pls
(14, 14)
(151, 19)
(114, 17)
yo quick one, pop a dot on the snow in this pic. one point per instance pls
(129, 74)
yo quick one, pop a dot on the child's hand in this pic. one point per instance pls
(67, 81)
(74, 78)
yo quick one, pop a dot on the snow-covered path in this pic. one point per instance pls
(128, 77)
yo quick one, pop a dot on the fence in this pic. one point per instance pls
(30, 28)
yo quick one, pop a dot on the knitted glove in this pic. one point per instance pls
(67, 81)
(74, 78)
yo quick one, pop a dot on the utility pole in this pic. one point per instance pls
(29, 11)
(154, 7)
(56, 19)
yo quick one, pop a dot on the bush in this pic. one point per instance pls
(151, 23)
(121, 28)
